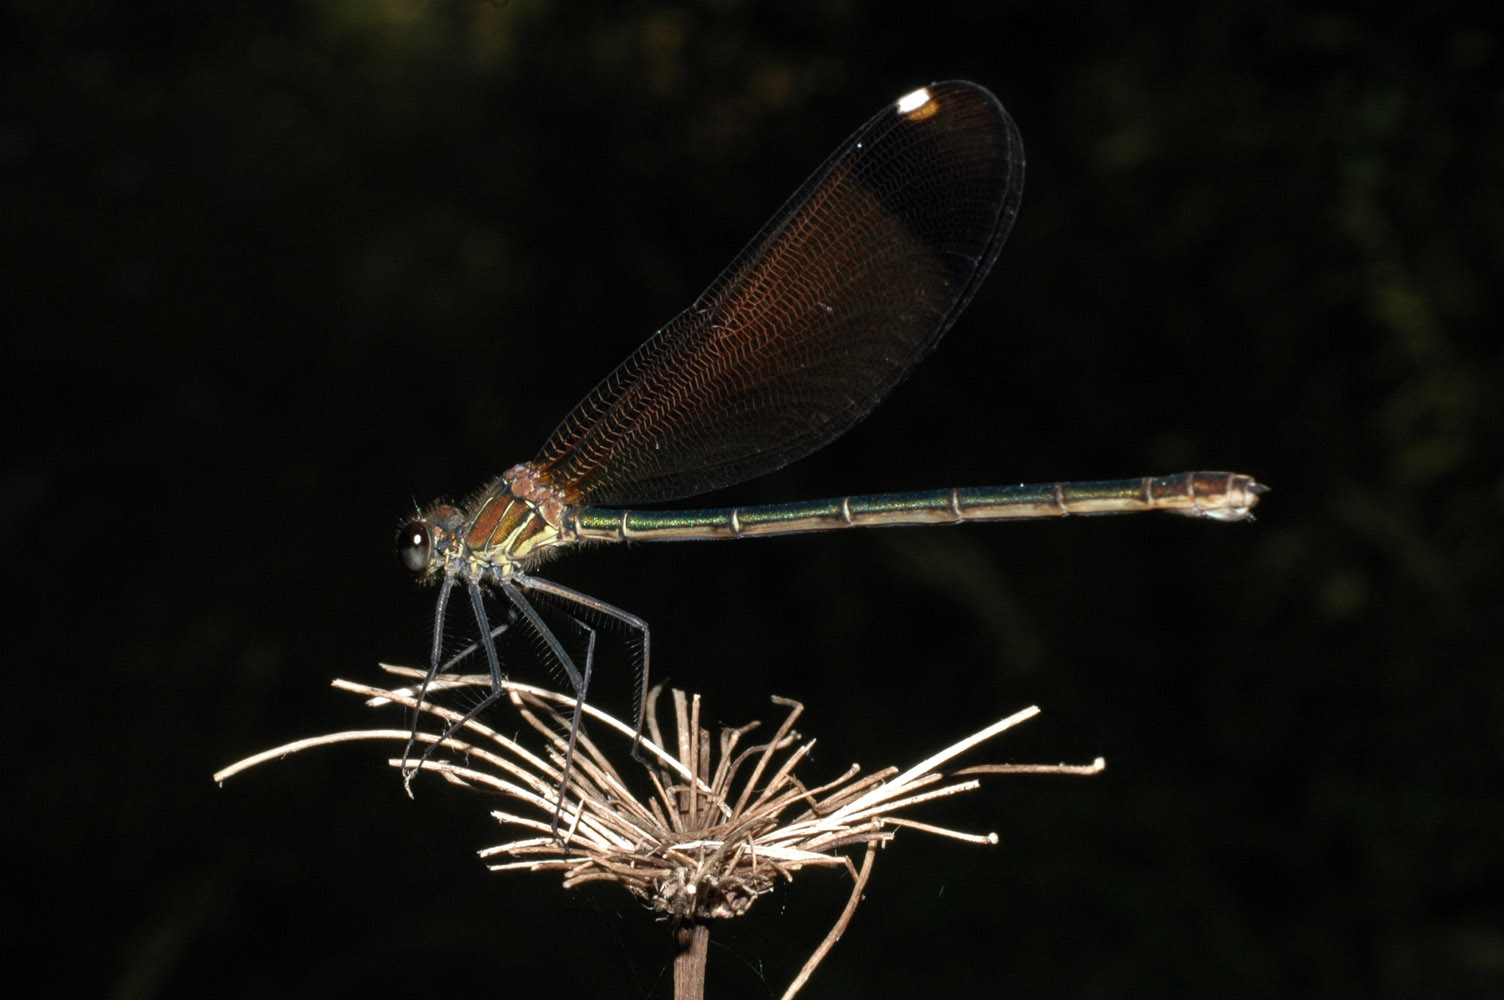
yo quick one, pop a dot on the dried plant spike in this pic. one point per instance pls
(721, 824)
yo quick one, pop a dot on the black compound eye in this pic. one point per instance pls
(413, 545)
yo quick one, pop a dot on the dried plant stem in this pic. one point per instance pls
(693, 939)
(840, 926)
(726, 820)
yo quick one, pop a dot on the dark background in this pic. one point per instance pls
(275, 273)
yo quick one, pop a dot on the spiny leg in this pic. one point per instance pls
(519, 605)
(626, 618)
(448, 666)
(433, 671)
(487, 641)
(580, 683)
(428, 682)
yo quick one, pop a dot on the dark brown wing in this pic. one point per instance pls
(852, 282)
